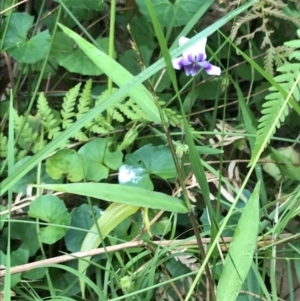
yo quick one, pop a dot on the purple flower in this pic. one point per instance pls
(193, 59)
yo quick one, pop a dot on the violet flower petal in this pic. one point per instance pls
(177, 63)
(213, 70)
(188, 69)
(195, 69)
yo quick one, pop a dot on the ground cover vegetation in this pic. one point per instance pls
(149, 150)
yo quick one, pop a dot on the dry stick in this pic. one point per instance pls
(13, 6)
(77, 255)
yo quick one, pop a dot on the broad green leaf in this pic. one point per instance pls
(129, 60)
(26, 233)
(68, 162)
(31, 177)
(239, 258)
(71, 57)
(112, 216)
(82, 218)
(18, 257)
(146, 161)
(35, 274)
(99, 159)
(118, 74)
(51, 209)
(25, 50)
(181, 10)
(33, 50)
(19, 24)
(143, 32)
(123, 194)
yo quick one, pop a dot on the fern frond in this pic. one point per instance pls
(276, 108)
(3, 146)
(282, 54)
(271, 11)
(38, 146)
(67, 111)
(249, 36)
(80, 136)
(84, 100)
(28, 135)
(135, 113)
(269, 61)
(241, 21)
(116, 115)
(21, 154)
(48, 121)
(276, 4)
(294, 44)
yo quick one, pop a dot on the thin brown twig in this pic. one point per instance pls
(132, 244)
(13, 6)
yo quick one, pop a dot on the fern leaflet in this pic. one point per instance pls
(67, 111)
(276, 108)
(49, 122)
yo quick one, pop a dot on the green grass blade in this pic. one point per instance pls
(112, 216)
(122, 194)
(117, 73)
(96, 289)
(239, 259)
(11, 142)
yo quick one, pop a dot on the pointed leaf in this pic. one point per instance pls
(112, 216)
(122, 194)
(117, 73)
(241, 251)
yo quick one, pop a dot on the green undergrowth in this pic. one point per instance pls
(158, 185)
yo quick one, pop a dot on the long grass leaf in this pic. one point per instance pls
(239, 258)
(122, 194)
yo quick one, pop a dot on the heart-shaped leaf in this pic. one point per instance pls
(181, 11)
(51, 209)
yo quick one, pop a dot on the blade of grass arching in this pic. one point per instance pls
(89, 116)
(11, 159)
(290, 273)
(199, 173)
(171, 71)
(111, 47)
(117, 74)
(122, 194)
(111, 217)
(63, 5)
(240, 255)
(81, 277)
(261, 281)
(251, 125)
